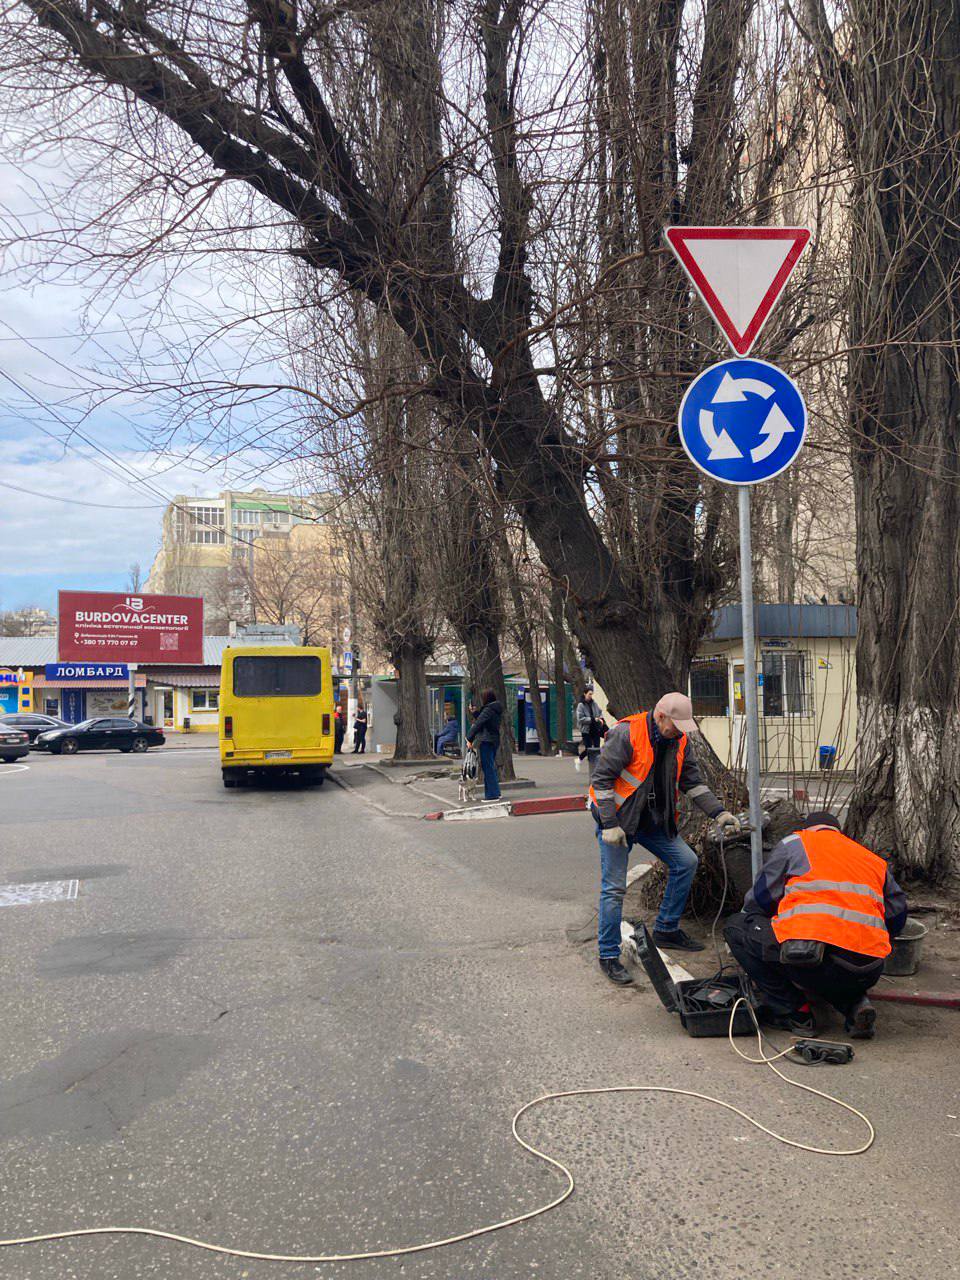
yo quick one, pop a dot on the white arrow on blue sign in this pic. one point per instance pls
(742, 421)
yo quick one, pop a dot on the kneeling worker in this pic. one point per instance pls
(819, 919)
(644, 763)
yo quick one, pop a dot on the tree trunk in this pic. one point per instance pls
(577, 678)
(486, 672)
(471, 594)
(898, 101)
(414, 741)
(558, 675)
(522, 632)
(785, 519)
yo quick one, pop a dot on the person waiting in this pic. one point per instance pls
(449, 735)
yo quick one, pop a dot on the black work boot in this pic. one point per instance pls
(615, 972)
(861, 1019)
(800, 1020)
(676, 940)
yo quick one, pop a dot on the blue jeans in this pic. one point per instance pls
(488, 763)
(681, 863)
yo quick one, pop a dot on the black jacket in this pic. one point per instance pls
(486, 727)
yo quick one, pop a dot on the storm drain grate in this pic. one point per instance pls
(25, 895)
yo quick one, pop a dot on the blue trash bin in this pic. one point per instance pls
(828, 756)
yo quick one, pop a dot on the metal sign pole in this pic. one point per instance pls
(131, 689)
(750, 680)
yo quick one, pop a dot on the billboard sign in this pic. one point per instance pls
(104, 627)
(56, 671)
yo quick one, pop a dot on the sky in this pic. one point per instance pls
(85, 477)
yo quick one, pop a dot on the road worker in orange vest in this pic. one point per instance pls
(818, 921)
(645, 763)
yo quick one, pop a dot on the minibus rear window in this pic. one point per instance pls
(276, 677)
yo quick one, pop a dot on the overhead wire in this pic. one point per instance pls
(132, 475)
(77, 502)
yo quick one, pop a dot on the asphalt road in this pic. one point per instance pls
(280, 1019)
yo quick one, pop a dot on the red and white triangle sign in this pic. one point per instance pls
(739, 272)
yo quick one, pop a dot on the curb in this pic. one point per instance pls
(513, 808)
(477, 813)
(931, 999)
(549, 804)
(368, 800)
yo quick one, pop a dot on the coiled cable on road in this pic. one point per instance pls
(399, 1251)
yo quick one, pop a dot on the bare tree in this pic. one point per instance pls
(392, 527)
(894, 83)
(296, 103)
(292, 582)
(469, 582)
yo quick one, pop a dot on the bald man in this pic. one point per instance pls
(645, 762)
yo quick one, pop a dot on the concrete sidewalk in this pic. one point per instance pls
(190, 741)
(536, 775)
(548, 778)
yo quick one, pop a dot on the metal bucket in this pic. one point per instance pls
(904, 959)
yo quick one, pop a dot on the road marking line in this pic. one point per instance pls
(38, 891)
(14, 768)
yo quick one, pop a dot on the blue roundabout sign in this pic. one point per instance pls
(742, 421)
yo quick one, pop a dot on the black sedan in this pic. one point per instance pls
(14, 743)
(101, 735)
(33, 723)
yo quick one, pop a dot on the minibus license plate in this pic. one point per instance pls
(277, 755)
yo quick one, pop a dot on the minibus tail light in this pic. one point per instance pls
(326, 723)
(228, 726)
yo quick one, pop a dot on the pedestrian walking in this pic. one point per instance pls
(360, 731)
(338, 730)
(590, 726)
(644, 763)
(818, 921)
(484, 733)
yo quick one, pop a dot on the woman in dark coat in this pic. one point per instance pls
(484, 733)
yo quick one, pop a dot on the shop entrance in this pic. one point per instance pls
(163, 709)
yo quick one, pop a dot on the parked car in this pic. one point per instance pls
(14, 743)
(101, 735)
(33, 723)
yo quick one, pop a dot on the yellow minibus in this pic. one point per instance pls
(276, 712)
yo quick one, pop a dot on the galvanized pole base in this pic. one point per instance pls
(750, 679)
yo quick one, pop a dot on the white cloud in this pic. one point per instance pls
(55, 533)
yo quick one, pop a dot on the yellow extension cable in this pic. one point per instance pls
(565, 1194)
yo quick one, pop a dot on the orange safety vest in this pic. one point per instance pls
(839, 900)
(638, 770)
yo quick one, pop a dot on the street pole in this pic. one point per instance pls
(750, 680)
(131, 690)
(355, 669)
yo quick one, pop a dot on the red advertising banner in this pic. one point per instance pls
(100, 626)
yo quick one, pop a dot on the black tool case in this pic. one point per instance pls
(704, 1004)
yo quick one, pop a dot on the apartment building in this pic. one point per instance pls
(208, 546)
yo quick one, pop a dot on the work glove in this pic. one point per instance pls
(728, 824)
(615, 835)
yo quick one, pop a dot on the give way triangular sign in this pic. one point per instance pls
(739, 272)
